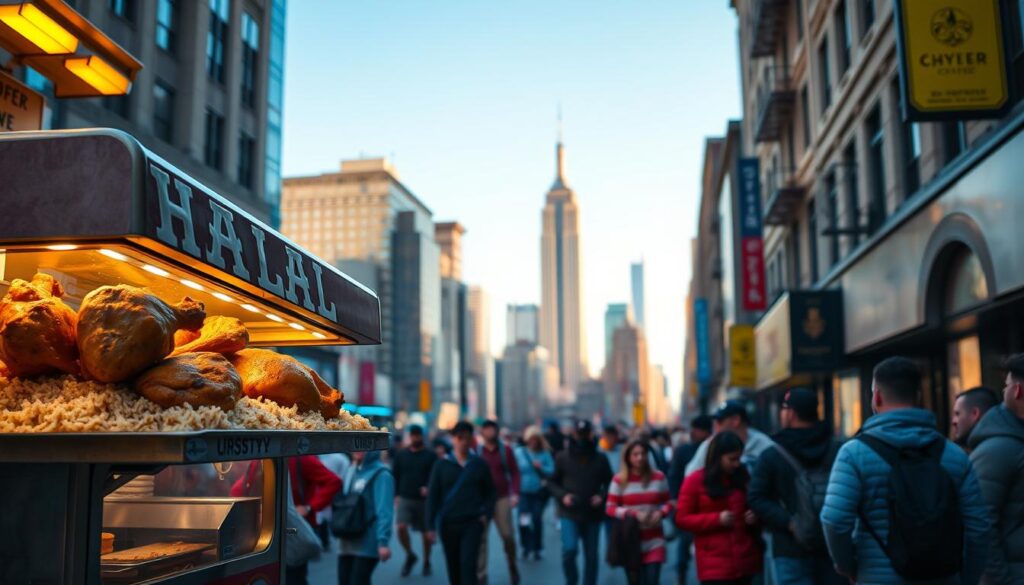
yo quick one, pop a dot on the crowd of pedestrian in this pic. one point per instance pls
(896, 503)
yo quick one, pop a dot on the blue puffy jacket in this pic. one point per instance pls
(531, 481)
(380, 495)
(860, 482)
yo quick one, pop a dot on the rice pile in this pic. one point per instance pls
(68, 405)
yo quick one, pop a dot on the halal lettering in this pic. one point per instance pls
(751, 243)
(203, 228)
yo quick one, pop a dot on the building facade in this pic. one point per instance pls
(908, 222)
(627, 374)
(450, 370)
(636, 286)
(561, 308)
(615, 315)
(522, 323)
(209, 97)
(480, 374)
(526, 376)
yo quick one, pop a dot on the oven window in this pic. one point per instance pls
(184, 517)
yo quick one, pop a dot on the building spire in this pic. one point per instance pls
(560, 181)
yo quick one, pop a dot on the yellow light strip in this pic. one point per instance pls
(38, 29)
(98, 74)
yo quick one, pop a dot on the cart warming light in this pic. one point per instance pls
(191, 284)
(319, 335)
(250, 308)
(223, 297)
(155, 270)
(98, 74)
(274, 318)
(297, 326)
(62, 247)
(39, 29)
(113, 254)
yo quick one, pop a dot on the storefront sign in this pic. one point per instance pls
(367, 382)
(952, 63)
(742, 356)
(751, 243)
(802, 333)
(700, 325)
(21, 108)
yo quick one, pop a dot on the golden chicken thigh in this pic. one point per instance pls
(286, 381)
(219, 333)
(199, 379)
(37, 330)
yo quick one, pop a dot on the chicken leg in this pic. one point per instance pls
(37, 330)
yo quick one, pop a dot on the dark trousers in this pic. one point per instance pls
(353, 570)
(461, 543)
(649, 574)
(589, 532)
(532, 536)
(684, 541)
(296, 575)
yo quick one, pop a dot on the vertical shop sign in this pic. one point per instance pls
(367, 382)
(742, 356)
(700, 322)
(751, 243)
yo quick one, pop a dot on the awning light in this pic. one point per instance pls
(98, 74)
(155, 270)
(274, 317)
(191, 284)
(113, 254)
(319, 335)
(296, 326)
(250, 308)
(223, 297)
(61, 247)
(39, 29)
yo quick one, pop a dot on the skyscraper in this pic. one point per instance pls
(561, 309)
(450, 368)
(480, 374)
(636, 272)
(615, 316)
(521, 324)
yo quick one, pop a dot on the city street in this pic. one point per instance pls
(544, 572)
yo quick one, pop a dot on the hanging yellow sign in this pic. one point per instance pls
(952, 60)
(638, 414)
(426, 401)
(742, 356)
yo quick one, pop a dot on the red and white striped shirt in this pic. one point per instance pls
(634, 497)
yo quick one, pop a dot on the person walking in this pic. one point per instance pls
(700, 430)
(505, 473)
(536, 465)
(787, 492)
(732, 416)
(968, 408)
(336, 463)
(412, 469)
(611, 445)
(640, 492)
(580, 485)
(359, 556)
(997, 453)
(899, 467)
(713, 506)
(460, 501)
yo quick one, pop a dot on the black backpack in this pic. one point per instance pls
(926, 529)
(811, 485)
(351, 514)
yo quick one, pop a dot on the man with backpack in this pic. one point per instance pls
(787, 492)
(364, 517)
(505, 473)
(997, 452)
(903, 504)
(460, 502)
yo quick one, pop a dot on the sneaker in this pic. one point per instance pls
(410, 562)
(427, 571)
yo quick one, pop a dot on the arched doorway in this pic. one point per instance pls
(965, 290)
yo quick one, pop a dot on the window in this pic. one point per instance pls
(954, 136)
(246, 149)
(867, 16)
(213, 150)
(163, 111)
(911, 158)
(166, 25)
(123, 9)
(852, 194)
(826, 75)
(805, 110)
(798, 9)
(220, 11)
(250, 58)
(844, 32)
(832, 199)
(876, 169)
(812, 240)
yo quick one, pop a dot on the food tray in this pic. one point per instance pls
(151, 567)
(182, 447)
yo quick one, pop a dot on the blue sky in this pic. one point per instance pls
(462, 94)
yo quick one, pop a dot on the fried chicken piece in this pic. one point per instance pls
(37, 330)
(200, 379)
(219, 334)
(286, 381)
(122, 330)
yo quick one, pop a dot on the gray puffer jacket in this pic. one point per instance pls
(997, 453)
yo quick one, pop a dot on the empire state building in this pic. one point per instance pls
(561, 308)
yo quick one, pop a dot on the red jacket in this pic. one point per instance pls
(723, 554)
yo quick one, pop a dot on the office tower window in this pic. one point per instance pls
(867, 16)
(250, 58)
(832, 199)
(275, 103)
(805, 111)
(844, 36)
(852, 192)
(954, 136)
(798, 9)
(826, 75)
(123, 9)
(214, 145)
(911, 158)
(246, 148)
(812, 240)
(876, 168)
(216, 38)
(167, 25)
(163, 111)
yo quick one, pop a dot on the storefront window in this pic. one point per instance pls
(847, 411)
(185, 517)
(966, 284)
(964, 359)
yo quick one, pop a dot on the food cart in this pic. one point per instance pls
(164, 498)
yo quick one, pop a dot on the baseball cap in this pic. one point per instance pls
(803, 402)
(702, 422)
(583, 426)
(415, 430)
(731, 408)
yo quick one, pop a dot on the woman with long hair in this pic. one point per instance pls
(536, 464)
(713, 506)
(641, 492)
